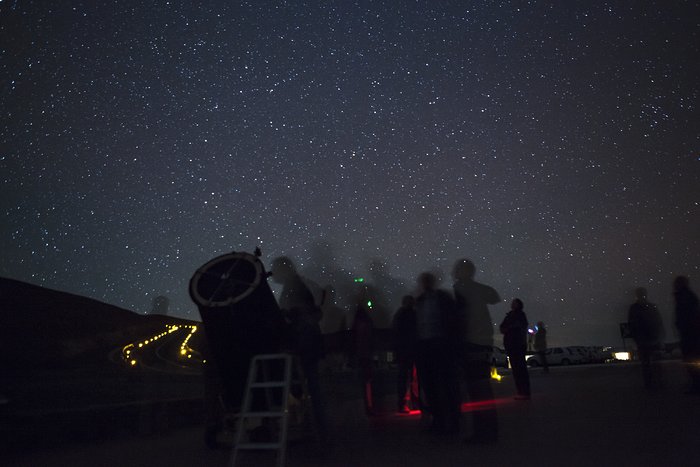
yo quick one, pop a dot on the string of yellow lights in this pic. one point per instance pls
(130, 351)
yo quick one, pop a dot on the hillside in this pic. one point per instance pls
(44, 327)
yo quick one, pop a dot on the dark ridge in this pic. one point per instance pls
(48, 328)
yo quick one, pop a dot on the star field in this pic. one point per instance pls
(555, 145)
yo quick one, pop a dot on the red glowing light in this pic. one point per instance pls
(410, 413)
(485, 405)
(470, 406)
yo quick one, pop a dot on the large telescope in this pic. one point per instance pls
(240, 315)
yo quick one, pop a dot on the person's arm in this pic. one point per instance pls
(492, 296)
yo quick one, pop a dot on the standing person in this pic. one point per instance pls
(435, 324)
(303, 317)
(688, 325)
(363, 351)
(295, 294)
(541, 345)
(404, 329)
(646, 329)
(514, 329)
(476, 328)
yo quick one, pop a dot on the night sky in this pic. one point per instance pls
(556, 145)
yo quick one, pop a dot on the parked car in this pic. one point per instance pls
(601, 354)
(557, 356)
(499, 358)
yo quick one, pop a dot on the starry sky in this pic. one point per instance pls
(555, 144)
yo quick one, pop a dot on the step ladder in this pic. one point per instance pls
(259, 380)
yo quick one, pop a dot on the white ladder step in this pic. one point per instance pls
(269, 384)
(262, 414)
(261, 446)
(258, 364)
(271, 356)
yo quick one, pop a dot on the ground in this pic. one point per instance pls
(578, 416)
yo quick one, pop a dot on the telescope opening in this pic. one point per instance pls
(226, 280)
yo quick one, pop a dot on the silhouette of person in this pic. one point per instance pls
(160, 306)
(333, 328)
(476, 330)
(436, 320)
(363, 349)
(304, 332)
(389, 290)
(295, 294)
(404, 330)
(541, 345)
(688, 325)
(322, 266)
(333, 316)
(514, 329)
(373, 299)
(646, 328)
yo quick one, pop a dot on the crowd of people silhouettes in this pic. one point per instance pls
(438, 335)
(443, 342)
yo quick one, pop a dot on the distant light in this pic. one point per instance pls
(183, 351)
(621, 355)
(359, 279)
(133, 362)
(369, 303)
(495, 375)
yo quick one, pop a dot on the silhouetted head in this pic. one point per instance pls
(408, 301)
(640, 293)
(463, 270)
(680, 283)
(282, 269)
(427, 281)
(516, 304)
(377, 266)
(160, 305)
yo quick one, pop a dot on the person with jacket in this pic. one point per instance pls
(404, 331)
(514, 330)
(303, 330)
(688, 325)
(646, 329)
(476, 341)
(436, 354)
(363, 348)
